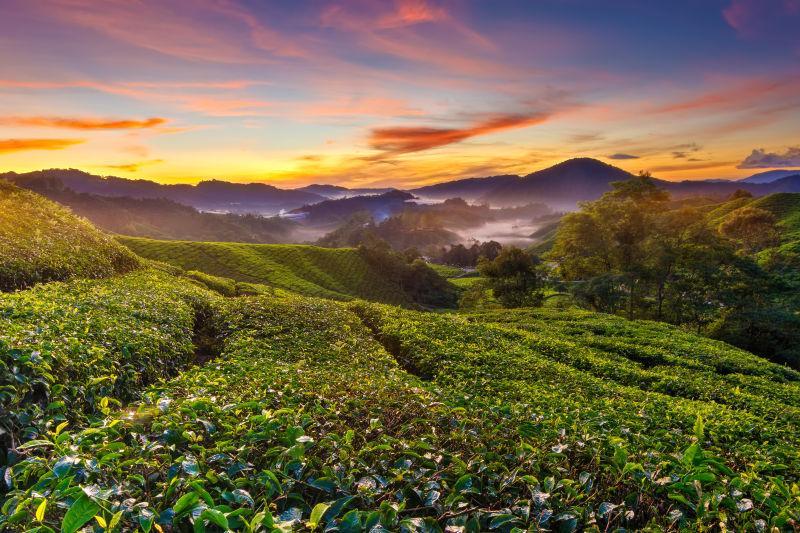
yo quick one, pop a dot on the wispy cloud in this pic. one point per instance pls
(20, 145)
(133, 167)
(401, 140)
(76, 123)
(735, 95)
(197, 30)
(760, 158)
(622, 156)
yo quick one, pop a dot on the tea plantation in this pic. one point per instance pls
(159, 400)
(336, 273)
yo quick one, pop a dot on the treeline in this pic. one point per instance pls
(634, 253)
(466, 257)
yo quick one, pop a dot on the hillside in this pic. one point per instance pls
(42, 241)
(333, 212)
(335, 192)
(560, 186)
(340, 273)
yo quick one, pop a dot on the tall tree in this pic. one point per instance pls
(514, 277)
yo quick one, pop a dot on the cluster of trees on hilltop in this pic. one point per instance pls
(466, 257)
(630, 253)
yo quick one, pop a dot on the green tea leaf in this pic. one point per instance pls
(80, 512)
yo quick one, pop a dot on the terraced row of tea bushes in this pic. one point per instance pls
(652, 458)
(42, 241)
(656, 369)
(647, 342)
(78, 348)
(336, 273)
(304, 420)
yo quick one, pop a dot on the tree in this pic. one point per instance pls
(514, 277)
(613, 236)
(752, 228)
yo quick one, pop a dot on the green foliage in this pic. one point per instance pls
(753, 228)
(421, 283)
(447, 271)
(70, 350)
(41, 241)
(310, 414)
(610, 432)
(319, 415)
(514, 277)
(630, 252)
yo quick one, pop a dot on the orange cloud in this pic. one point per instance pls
(696, 166)
(133, 167)
(83, 123)
(400, 140)
(19, 145)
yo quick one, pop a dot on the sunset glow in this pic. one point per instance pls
(398, 93)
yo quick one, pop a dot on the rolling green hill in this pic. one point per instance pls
(42, 241)
(337, 273)
(785, 207)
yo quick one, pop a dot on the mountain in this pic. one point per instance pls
(561, 186)
(469, 189)
(684, 189)
(769, 176)
(335, 192)
(213, 195)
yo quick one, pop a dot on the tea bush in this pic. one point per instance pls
(81, 347)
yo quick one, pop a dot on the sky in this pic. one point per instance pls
(397, 92)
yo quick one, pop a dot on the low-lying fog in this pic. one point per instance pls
(516, 232)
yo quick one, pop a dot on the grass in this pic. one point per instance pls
(41, 241)
(336, 273)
